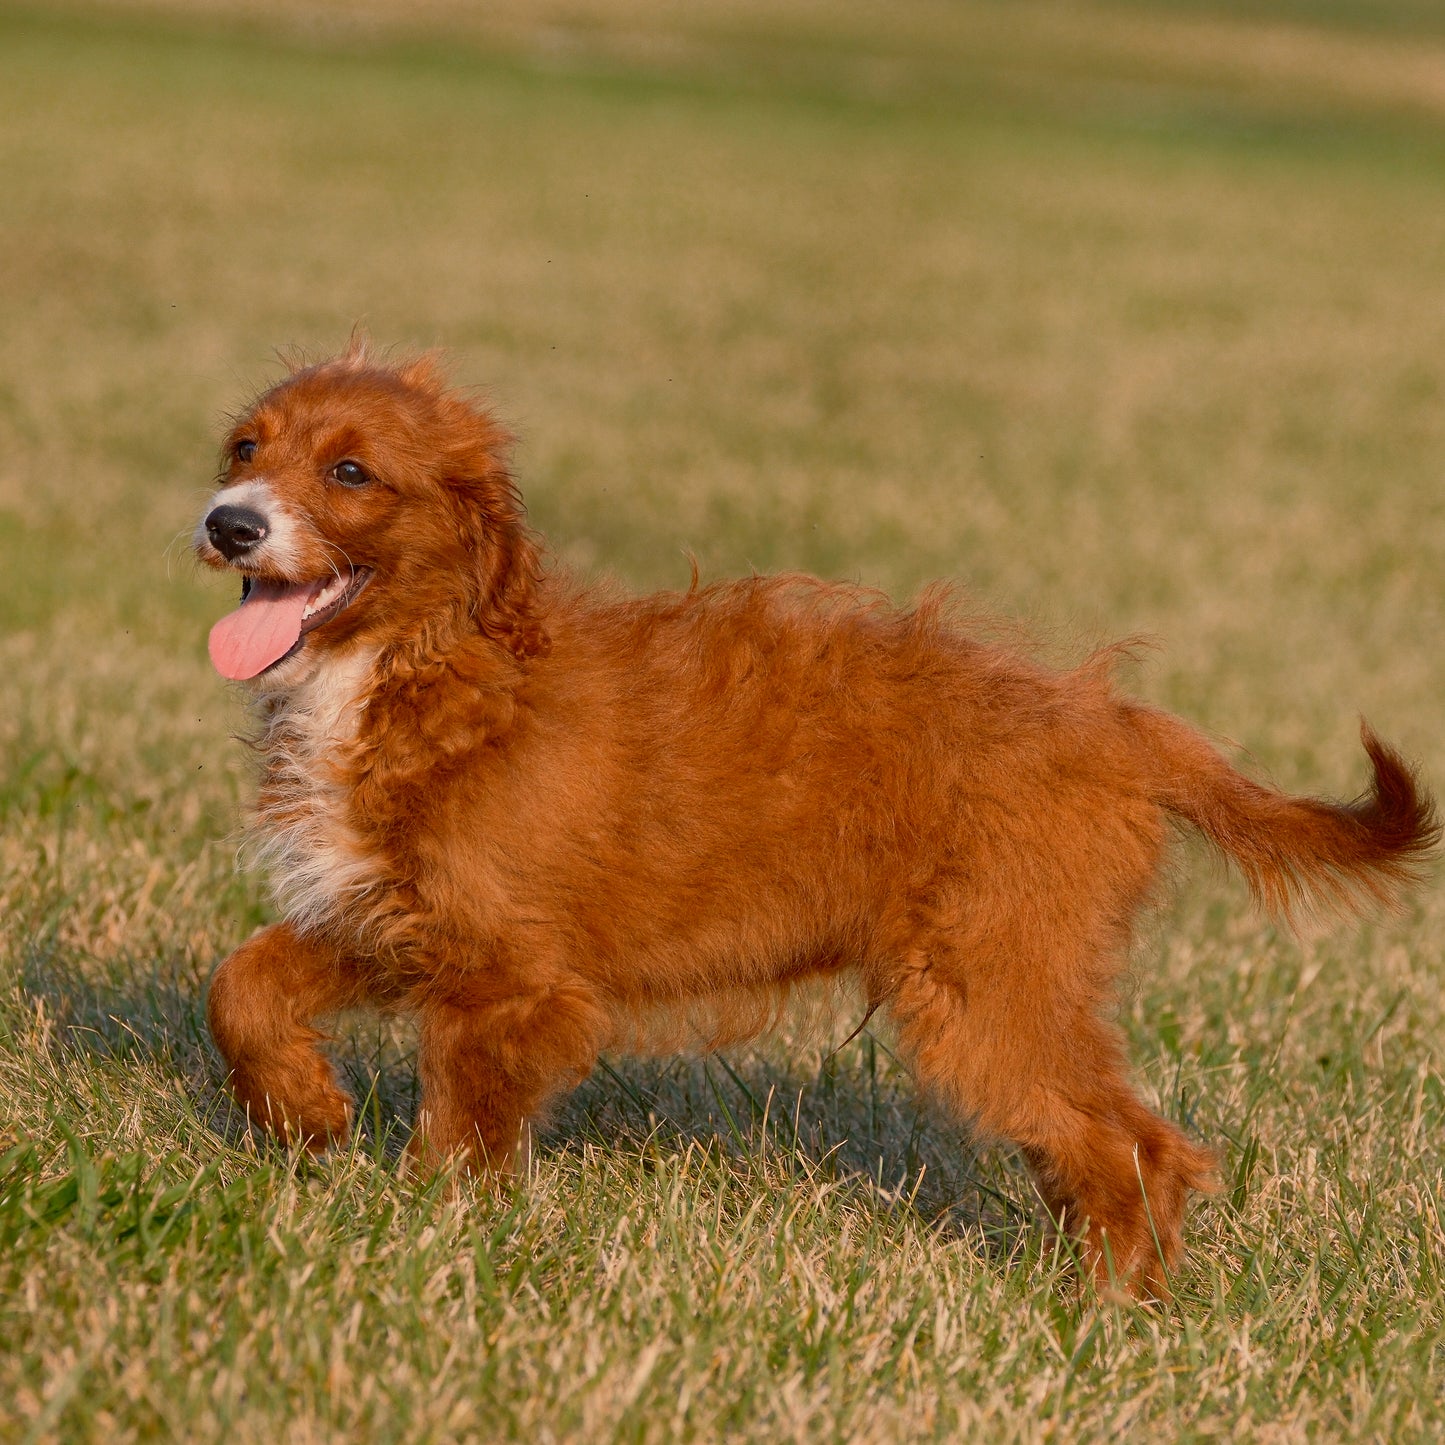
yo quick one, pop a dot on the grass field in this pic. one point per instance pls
(1131, 317)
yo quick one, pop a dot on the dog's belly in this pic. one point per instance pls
(814, 1007)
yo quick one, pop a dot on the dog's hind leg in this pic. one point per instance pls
(263, 1002)
(489, 1064)
(1014, 1044)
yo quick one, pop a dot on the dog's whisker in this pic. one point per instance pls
(168, 551)
(350, 565)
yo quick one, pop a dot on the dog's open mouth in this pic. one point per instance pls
(274, 618)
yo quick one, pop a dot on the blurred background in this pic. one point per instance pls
(1128, 315)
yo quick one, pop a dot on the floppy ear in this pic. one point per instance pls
(505, 555)
(508, 564)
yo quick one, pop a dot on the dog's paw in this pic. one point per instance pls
(299, 1103)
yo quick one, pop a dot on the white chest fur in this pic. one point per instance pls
(302, 834)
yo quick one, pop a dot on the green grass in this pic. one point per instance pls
(1120, 314)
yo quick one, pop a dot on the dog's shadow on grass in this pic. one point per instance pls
(122, 1008)
(850, 1118)
(851, 1121)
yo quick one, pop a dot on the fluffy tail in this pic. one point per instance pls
(1297, 854)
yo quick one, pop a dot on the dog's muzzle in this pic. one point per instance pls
(234, 531)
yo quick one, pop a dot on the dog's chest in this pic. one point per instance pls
(320, 864)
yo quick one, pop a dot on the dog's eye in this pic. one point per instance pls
(350, 474)
(245, 450)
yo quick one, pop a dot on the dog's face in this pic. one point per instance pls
(359, 503)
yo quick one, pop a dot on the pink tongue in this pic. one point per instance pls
(262, 629)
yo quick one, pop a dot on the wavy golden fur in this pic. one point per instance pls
(539, 815)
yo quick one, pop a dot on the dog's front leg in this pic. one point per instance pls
(263, 1001)
(489, 1065)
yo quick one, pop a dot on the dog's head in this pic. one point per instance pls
(362, 502)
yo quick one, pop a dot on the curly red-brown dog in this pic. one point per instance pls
(538, 814)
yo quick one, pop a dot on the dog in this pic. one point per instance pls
(542, 816)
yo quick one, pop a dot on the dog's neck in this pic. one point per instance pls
(425, 714)
(323, 705)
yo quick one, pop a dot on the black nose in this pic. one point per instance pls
(235, 530)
